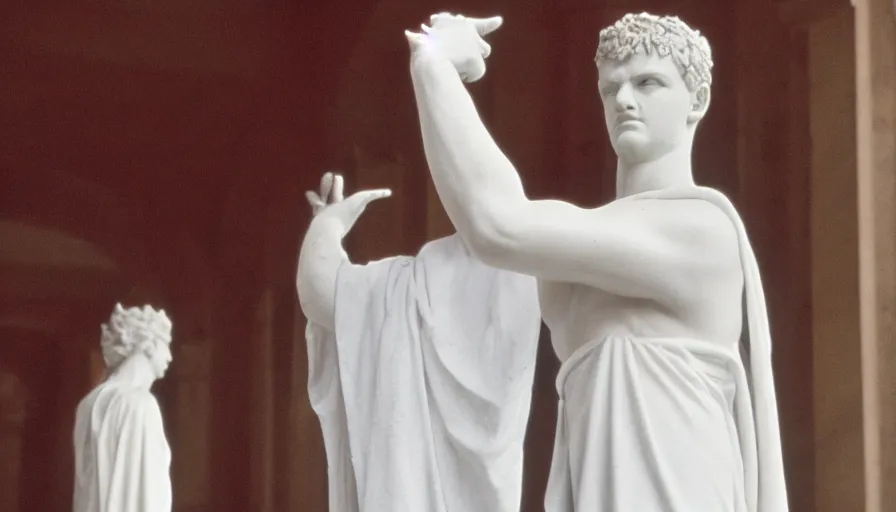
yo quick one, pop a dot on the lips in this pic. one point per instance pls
(624, 122)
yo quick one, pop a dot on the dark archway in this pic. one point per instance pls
(137, 240)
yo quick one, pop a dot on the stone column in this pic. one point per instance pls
(307, 457)
(774, 170)
(261, 455)
(191, 426)
(76, 377)
(875, 31)
(837, 381)
(12, 418)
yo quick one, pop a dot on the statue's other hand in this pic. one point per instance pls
(329, 202)
(458, 39)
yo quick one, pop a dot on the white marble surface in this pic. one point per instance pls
(644, 296)
(122, 458)
(420, 369)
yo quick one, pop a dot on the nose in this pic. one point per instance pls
(625, 99)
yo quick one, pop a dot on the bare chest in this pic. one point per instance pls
(577, 314)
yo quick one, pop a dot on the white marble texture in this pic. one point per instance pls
(122, 458)
(667, 398)
(420, 369)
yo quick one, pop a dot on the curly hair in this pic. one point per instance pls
(664, 35)
(131, 330)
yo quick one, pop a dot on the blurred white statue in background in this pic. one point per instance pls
(122, 458)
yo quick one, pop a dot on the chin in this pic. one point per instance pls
(636, 148)
(630, 149)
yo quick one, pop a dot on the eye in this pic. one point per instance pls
(649, 82)
(608, 90)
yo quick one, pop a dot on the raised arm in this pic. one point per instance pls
(322, 253)
(645, 249)
(319, 261)
(473, 177)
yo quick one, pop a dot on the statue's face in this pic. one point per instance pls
(160, 358)
(647, 106)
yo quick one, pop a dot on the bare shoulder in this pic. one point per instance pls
(697, 217)
(695, 229)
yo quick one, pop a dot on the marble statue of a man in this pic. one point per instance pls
(122, 458)
(654, 301)
(420, 369)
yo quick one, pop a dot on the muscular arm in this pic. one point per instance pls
(639, 248)
(320, 257)
(474, 179)
(644, 249)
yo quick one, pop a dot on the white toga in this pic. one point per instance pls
(122, 458)
(423, 391)
(671, 424)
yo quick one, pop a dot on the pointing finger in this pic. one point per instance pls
(338, 184)
(365, 197)
(326, 185)
(486, 25)
(373, 195)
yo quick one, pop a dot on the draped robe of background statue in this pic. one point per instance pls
(666, 395)
(122, 458)
(420, 370)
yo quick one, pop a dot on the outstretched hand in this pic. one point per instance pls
(458, 39)
(329, 201)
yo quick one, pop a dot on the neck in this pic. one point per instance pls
(670, 170)
(135, 371)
